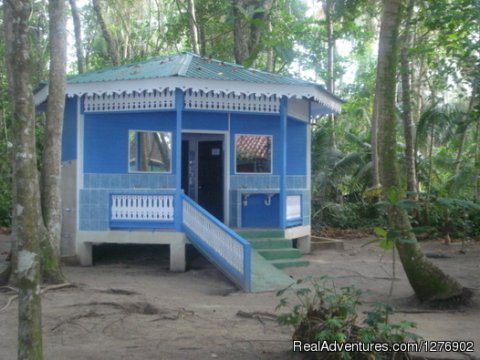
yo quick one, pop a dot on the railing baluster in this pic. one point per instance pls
(219, 241)
(143, 208)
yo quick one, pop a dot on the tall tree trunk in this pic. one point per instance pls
(430, 158)
(374, 143)
(247, 32)
(476, 187)
(408, 124)
(81, 66)
(426, 279)
(241, 33)
(270, 52)
(463, 135)
(327, 9)
(26, 219)
(111, 45)
(51, 169)
(192, 20)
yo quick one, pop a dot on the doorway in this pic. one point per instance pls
(203, 171)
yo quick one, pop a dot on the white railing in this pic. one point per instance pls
(224, 247)
(129, 208)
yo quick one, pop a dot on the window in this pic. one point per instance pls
(149, 151)
(253, 153)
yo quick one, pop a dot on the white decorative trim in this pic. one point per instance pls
(299, 109)
(326, 102)
(134, 208)
(199, 100)
(147, 100)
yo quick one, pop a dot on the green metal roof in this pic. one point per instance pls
(185, 65)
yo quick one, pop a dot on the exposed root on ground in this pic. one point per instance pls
(142, 308)
(42, 291)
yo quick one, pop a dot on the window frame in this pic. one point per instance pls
(271, 155)
(136, 131)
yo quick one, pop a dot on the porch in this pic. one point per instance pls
(154, 219)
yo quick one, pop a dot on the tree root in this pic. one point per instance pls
(42, 291)
(116, 291)
(454, 301)
(88, 314)
(259, 315)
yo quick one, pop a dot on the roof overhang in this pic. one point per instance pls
(323, 102)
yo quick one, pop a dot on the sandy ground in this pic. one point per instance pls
(129, 306)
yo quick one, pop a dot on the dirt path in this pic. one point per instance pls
(133, 308)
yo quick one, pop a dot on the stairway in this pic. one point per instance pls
(274, 247)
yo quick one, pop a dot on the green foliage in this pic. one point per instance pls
(320, 313)
(349, 215)
(454, 217)
(435, 215)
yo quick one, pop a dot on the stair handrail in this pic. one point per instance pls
(221, 245)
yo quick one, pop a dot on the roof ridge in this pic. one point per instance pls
(185, 64)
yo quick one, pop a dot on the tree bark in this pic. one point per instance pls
(51, 169)
(81, 66)
(26, 219)
(247, 31)
(270, 51)
(111, 46)
(408, 123)
(374, 143)
(427, 280)
(476, 187)
(192, 20)
(327, 9)
(463, 135)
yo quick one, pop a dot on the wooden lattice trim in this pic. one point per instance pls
(230, 102)
(147, 100)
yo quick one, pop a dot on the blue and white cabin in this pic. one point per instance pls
(182, 149)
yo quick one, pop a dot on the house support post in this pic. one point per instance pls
(84, 253)
(178, 260)
(283, 162)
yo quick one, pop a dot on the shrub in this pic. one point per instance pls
(329, 315)
(347, 215)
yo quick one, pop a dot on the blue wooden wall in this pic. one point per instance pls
(106, 162)
(106, 138)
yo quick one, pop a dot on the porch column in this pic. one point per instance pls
(283, 162)
(179, 104)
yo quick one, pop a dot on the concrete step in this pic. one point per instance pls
(275, 243)
(282, 264)
(272, 246)
(260, 233)
(280, 254)
(323, 243)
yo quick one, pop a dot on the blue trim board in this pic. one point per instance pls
(283, 161)
(131, 225)
(177, 150)
(69, 132)
(194, 120)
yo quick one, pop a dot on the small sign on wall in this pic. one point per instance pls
(216, 152)
(294, 207)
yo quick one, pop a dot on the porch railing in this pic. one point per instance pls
(221, 245)
(141, 210)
